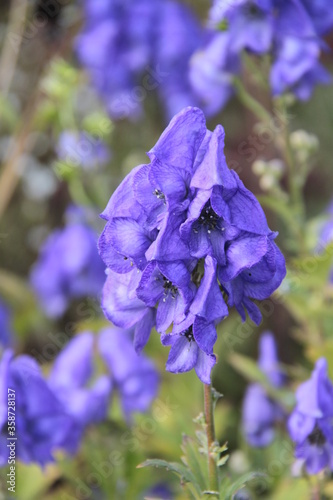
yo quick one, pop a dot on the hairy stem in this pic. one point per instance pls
(210, 431)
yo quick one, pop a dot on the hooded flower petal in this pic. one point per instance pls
(180, 142)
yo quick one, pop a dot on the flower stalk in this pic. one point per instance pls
(210, 432)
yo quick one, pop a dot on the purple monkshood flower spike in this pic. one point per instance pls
(184, 241)
(311, 423)
(260, 412)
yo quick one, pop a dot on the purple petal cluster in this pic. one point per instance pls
(68, 267)
(132, 48)
(183, 236)
(52, 413)
(289, 30)
(311, 423)
(260, 412)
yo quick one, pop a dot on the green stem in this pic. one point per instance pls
(251, 103)
(210, 431)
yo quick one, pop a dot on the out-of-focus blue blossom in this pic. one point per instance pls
(69, 378)
(52, 413)
(212, 70)
(160, 491)
(260, 412)
(311, 423)
(249, 23)
(135, 47)
(289, 30)
(321, 14)
(135, 377)
(6, 333)
(180, 232)
(42, 423)
(68, 267)
(177, 37)
(81, 149)
(296, 67)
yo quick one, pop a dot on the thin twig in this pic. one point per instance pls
(12, 44)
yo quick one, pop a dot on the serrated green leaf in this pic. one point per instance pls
(175, 467)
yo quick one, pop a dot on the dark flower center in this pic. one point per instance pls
(253, 11)
(188, 333)
(317, 437)
(169, 288)
(159, 195)
(208, 219)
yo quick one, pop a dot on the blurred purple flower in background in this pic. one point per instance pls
(260, 412)
(81, 149)
(134, 376)
(311, 423)
(68, 266)
(212, 70)
(6, 333)
(290, 30)
(134, 47)
(69, 378)
(42, 423)
(181, 232)
(52, 413)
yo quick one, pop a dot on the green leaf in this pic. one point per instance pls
(228, 491)
(223, 460)
(195, 461)
(178, 469)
